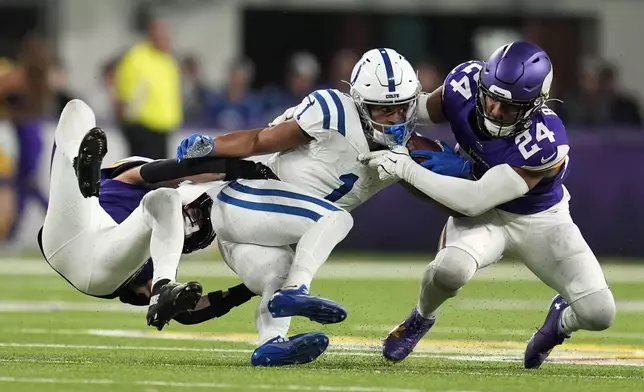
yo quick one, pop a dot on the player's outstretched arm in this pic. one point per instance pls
(216, 304)
(212, 305)
(498, 185)
(169, 173)
(243, 144)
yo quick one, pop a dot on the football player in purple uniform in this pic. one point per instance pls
(121, 231)
(514, 203)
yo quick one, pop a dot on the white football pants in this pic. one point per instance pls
(256, 222)
(549, 243)
(83, 243)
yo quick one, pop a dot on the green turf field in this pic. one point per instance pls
(55, 339)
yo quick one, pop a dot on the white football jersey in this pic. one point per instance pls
(328, 166)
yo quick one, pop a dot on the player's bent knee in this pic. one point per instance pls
(451, 269)
(344, 220)
(596, 311)
(161, 200)
(341, 221)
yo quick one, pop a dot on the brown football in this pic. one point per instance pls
(420, 142)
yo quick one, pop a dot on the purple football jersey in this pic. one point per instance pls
(543, 146)
(119, 200)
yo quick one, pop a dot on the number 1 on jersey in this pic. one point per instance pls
(348, 180)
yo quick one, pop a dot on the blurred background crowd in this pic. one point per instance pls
(154, 69)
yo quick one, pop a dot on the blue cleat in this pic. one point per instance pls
(298, 302)
(402, 340)
(302, 348)
(547, 337)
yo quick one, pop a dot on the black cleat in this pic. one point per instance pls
(87, 164)
(171, 299)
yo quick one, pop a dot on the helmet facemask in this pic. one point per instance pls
(516, 114)
(389, 135)
(198, 230)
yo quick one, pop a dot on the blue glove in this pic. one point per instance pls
(195, 146)
(446, 162)
(398, 130)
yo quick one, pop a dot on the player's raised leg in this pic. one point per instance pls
(83, 243)
(69, 214)
(273, 213)
(556, 252)
(312, 251)
(155, 229)
(465, 245)
(263, 269)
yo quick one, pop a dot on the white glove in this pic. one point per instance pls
(391, 164)
(287, 115)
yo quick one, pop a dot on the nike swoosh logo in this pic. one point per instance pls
(546, 160)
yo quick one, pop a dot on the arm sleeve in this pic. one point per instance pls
(498, 185)
(169, 169)
(220, 304)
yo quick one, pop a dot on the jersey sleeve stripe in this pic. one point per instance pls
(391, 83)
(326, 115)
(562, 152)
(340, 108)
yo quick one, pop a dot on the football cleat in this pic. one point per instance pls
(171, 299)
(295, 350)
(546, 337)
(402, 340)
(87, 164)
(298, 302)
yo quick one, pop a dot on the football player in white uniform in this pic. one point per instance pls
(316, 146)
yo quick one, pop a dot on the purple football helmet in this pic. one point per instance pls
(513, 85)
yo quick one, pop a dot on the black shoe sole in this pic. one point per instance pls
(184, 297)
(87, 164)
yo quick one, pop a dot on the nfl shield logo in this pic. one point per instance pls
(479, 145)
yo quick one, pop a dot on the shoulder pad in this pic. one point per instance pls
(545, 145)
(460, 86)
(320, 112)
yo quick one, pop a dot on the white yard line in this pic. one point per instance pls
(395, 269)
(356, 346)
(28, 306)
(159, 383)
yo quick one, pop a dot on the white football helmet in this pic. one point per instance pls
(384, 77)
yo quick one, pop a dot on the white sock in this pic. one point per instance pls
(267, 326)
(165, 217)
(569, 322)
